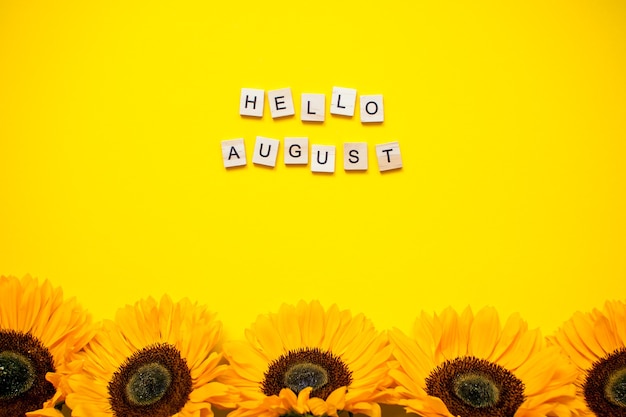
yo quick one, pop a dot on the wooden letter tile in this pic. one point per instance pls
(355, 156)
(388, 155)
(265, 151)
(296, 151)
(233, 153)
(251, 102)
(281, 102)
(342, 101)
(313, 107)
(322, 158)
(372, 110)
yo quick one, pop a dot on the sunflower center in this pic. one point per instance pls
(153, 381)
(615, 390)
(476, 390)
(473, 387)
(16, 374)
(148, 384)
(302, 375)
(24, 363)
(306, 367)
(605, 384)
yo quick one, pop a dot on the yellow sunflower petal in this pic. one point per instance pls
(509, 336)
(215, 393)
(320, 407)
(267, 337)
(605, 335)
(414, 358)
(333, 322)
(527, 344)
(484, 333)
(311, 322)
(367, 408)
(406, 384)
(288, 327)
(585, 330)
(454, 330)
(245, 360)
(615, 312)
(430, 406)
(337, 399)
(371, 356)
(48, 412)
(569, 348)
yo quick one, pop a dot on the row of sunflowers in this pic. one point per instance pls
(161, 358)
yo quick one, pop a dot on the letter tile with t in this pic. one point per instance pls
(389, 156)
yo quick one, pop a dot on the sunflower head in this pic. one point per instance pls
(154, 381)
(596, 343)
(155, 358)
(469, 365)
(305, 360)
(40, 334)
(470, 385)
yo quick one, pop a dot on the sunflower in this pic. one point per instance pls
(596, 344)
(156, 359)
(469, 365)
(305, 360)
(40, 335)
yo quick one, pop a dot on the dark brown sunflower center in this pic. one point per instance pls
(24, 362)
(605, 385)
(307, 367)
(615, 390)
(473, 387)
(154, 381)
(303, 375)
(148, 384)
(16, 374)
(476, 390)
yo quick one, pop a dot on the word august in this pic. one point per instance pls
(296, 152)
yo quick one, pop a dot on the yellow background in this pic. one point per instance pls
(511, 119)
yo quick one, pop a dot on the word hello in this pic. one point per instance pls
(296, 152)
(313, 106)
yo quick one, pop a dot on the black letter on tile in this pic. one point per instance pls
(297, 153)
(279, 102)
(387, 152)
(318, 158)
(308, 108)
(339, 101)
(354, 154)
(368, 105)
(232, 152)
(269, 149)
(250, 101)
